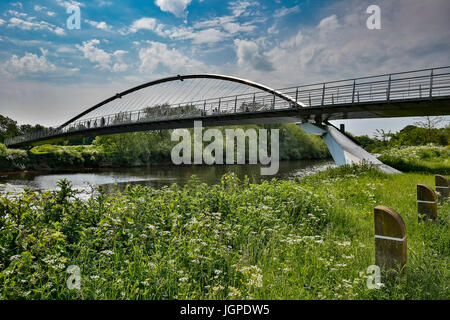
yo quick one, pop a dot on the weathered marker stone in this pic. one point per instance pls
(390, 238)
(442, 187)
(426, 202)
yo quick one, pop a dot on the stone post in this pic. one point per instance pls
(426, 202)
(442, 187)
(390, 239)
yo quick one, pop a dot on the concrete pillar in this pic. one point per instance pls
(343, 150)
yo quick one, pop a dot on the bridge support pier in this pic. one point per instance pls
(343, 150)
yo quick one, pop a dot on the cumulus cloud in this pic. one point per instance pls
(147, 24)
(99, 25)
(248, 54)
(95, 55)
(31, 65)
(158, 54)
(176, 7)
(2, 22)
(102, 59)
(413, 36)
(119, 66)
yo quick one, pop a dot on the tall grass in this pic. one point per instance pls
(430, 159)
(305, 239)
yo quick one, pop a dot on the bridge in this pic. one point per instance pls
(219, 100)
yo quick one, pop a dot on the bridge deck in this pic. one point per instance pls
(415, 93)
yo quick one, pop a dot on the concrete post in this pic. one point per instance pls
(390, 239)
(426, 202)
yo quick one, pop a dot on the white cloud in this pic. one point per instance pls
(99, 25)
(31, 24)
(51, 13)
(104, 3)
(120, 67)
(158, 54)
(210, 31)
(17, 14)
(39, 8)
(248, 55)
(240, 7)
(146, 24)
(329, 23)
(177, 7)
(68, 3)
(2, 22)
(29, 63)
(102, 59)
(17, 4)
(205, 36)
(285, 11)
(95, 55)
(413, 36)
(208, 35)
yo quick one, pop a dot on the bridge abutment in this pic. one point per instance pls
(343, 150)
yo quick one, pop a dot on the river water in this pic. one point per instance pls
(156, 176)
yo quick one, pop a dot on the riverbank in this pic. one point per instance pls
(428, 159)
(152, 176)
(306, 239)
(143, 149)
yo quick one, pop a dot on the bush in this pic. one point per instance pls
(12, 160)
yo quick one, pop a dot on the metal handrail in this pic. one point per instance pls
(422, 84)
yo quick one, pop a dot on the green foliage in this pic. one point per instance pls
(305, 239)
(13, 160)
(296, 144)
(432, 159)
(136, 149)
(408, 136)
(144, 148)
(53, 156)
(9, 128)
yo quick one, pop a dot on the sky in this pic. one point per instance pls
(49, 73)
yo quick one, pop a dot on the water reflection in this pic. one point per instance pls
(156, 177)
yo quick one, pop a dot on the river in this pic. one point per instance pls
(156, 176)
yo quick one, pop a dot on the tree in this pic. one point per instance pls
(8, 128)
(429, 123)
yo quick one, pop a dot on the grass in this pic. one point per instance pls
(429, 159)
(306, 239)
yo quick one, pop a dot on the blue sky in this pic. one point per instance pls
(49, 73)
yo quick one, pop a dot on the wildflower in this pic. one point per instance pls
(234, 293)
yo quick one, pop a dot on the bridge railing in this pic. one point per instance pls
(419, 84)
